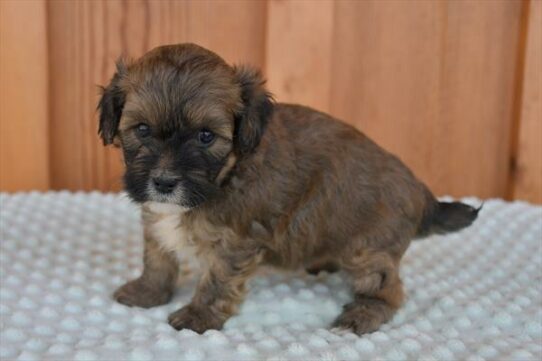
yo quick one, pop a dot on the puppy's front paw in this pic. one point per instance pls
(142, 294)
(364, 315)
(195, 319)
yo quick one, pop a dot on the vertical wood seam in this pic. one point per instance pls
(49, 97)
(265, 38)
(518, 99)
(331, 62)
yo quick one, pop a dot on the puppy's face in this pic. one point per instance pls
(183, 117)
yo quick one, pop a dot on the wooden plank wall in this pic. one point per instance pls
(85, 39)
(452, 87)
(527, 181)
(24, 160)
(431, 81)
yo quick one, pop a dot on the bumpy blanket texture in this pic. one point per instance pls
(472, 295)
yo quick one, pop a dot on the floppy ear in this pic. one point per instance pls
(257, 109)
(110, 106)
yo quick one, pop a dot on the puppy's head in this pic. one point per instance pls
(183, 117)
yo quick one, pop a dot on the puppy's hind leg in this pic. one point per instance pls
(378, 292)
(156, 284)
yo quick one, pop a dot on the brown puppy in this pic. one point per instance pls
(222, 170)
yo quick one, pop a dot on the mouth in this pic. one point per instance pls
(185, 193)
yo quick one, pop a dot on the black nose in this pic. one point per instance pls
(164, 185)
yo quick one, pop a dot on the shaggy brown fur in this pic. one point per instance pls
(276, 184)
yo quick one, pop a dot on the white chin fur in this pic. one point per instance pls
(160, 207)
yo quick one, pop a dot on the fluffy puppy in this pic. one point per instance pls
(223, 171)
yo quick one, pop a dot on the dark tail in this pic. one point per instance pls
(446, 217)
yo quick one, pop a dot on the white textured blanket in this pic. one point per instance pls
(471, 295)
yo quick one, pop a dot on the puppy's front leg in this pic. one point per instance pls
(156, 284)
(220, 290)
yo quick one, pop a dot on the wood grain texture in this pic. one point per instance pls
(432, 82)
(451, 87)
(23, 96)
(299, 51)
(85, 39)
(528, 172)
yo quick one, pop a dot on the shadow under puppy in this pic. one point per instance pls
(221, 169)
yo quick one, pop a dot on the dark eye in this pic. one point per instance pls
(205, 136)
(143, 130)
